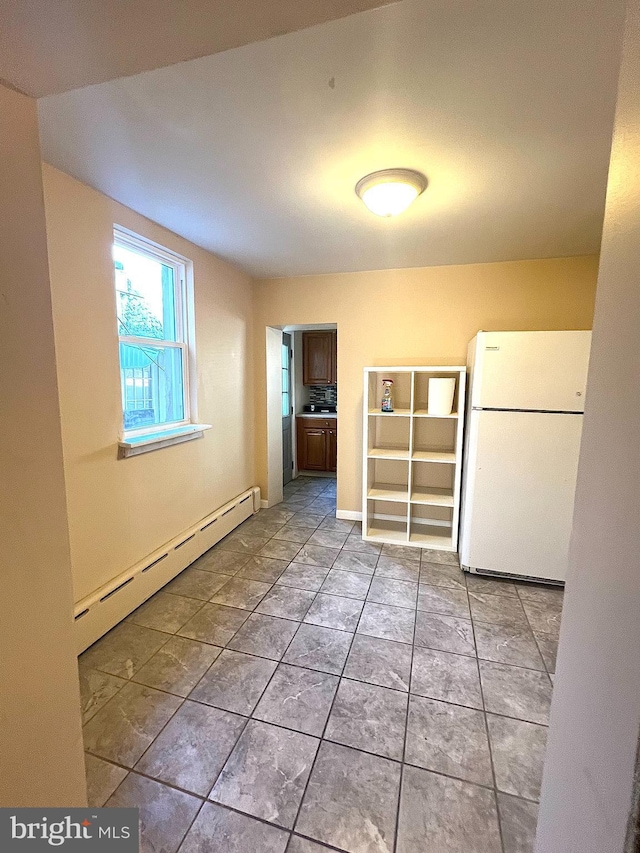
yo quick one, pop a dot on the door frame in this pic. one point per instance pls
(273, 358)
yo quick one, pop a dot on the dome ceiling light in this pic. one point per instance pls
(390, 191)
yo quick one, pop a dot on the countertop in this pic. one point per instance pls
(323, 415)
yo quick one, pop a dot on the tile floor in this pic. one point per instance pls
(297, 689)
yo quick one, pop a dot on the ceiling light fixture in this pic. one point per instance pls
(390, 191)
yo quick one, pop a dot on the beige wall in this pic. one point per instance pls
(121, 510)
(414, 316)
(41, 760)
(595, 716)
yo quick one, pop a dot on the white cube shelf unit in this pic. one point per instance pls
(412, 460)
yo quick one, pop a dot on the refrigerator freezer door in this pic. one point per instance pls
(519, 492)
(538, 371)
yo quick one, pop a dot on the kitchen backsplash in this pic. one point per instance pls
(327, 394)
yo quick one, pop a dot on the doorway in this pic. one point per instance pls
(287, 411)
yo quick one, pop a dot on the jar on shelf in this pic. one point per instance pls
(387, 395)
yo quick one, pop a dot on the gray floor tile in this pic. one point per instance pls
(194, 583)
(519, 819)
(445, 633)
(516, 692)
(298, 699)
(178, 666)
(294, 534)
(445, 676)
(388, 623)
(328, 538)
(398, 568)
(507, 644)
(551, 595)
(96, 688)
(340, 525)
(319, 648)
(431, 555)
(266, 773)
(369, 717)
(544, 618)
(165, 612)
(214, 624)
(497, 609)
(491, 586)
(402, 551)
(242, 593)
(306, 518)
(448, 739)
(354, 561)
(286, 602)
(242, 543)
(276, 513)
(165, 814)
(123, 650)
(102, 780)
(334, 611)
(317, 555)
(518, 750)
(255, 527)
(303, 845)
(548, 645)
(235, 682)
(349, 584)
(263, 569)
(266, 636)
(356, 543)
(394, 592)
(128, 723)
(351, 800)
(221, 562)
(443, 815)
(442, 574)
(444, 600)
(382, 662)
(280, 549)
(193, 747)
(303, 577)
(219, 830)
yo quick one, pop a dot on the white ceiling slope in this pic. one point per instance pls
(254, 153)
(49, 46)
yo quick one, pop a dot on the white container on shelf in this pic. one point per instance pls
(441, 393)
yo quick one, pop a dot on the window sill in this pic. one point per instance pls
(136, 445)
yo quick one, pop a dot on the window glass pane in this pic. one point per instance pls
(285, 405)
(152, 385)
(285, 356)
(145, 295)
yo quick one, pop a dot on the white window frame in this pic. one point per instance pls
(183, 270)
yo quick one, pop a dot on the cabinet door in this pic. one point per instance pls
(316, 358)
(332, 449)
(312, 449)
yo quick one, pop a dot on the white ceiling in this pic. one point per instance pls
(506, 106)
(49, 46)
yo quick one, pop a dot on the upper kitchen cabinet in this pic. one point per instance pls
(319, 358)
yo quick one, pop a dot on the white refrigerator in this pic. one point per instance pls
(524, 424)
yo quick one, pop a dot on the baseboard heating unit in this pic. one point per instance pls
(103, 609)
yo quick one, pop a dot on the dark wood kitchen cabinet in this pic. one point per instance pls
(319, 357)
(317, 444)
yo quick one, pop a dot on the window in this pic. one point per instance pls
(151, 309)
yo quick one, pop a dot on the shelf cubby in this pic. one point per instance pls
(421, 392)
(402, 392)
(412, 460)
(386, 521)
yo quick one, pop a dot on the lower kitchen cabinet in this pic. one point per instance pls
(317, 444)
